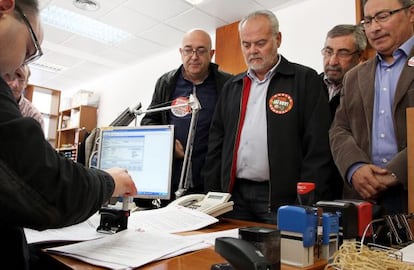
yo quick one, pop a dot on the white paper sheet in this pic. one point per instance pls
(79, 232)
(408, 254)
(126, 249)
(172, 219)
(168, 220)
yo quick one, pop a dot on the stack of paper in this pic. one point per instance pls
(126, 249)
(148, 238)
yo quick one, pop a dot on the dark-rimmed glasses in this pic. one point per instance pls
(38, 53)
(381, 16)
(326, 52)
(190, 51)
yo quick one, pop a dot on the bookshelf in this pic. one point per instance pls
(74, 124)
(47, 101)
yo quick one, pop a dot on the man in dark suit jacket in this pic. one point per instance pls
(368, 136)
(342, 51)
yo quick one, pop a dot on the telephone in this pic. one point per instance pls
(213, 204)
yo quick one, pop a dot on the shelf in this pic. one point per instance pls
(74, 124)
(68, 129)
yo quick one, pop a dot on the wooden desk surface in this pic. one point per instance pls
(201, 259)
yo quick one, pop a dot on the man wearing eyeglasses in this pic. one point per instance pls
(344, 45)
(18, 86)
(368, 135)
(342, 51)
(39, 189)
(196, 76)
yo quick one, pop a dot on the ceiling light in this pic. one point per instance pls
(88, 5)
(47, 66)
(82, 25)
(194, 2)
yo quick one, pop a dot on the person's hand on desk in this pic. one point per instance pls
(124, 186)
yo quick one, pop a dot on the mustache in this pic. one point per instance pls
(333, 68)
(254, 56)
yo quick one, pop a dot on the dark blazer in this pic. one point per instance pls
(350, 134)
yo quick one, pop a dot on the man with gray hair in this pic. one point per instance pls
(18, 86)
(270, 128)
(344, 45)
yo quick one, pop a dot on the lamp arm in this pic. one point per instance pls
(195, 105)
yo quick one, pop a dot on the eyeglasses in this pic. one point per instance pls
(381, 16)
(343, 55)
(190, 51)
(38, 53)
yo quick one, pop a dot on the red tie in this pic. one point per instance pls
(245, 97)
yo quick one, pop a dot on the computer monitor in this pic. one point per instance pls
(145, 151)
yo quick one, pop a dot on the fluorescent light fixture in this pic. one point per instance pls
(46, 66)
(82, 25)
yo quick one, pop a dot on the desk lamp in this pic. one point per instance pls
(194, 103)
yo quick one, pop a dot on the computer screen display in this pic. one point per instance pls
(145, 151)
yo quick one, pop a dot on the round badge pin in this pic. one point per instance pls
(280, 103)
(182, 110)
(411, 62)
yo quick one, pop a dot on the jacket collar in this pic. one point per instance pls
(284, 68)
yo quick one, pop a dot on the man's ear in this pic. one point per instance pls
(6, 6)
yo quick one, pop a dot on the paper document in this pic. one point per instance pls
(170, 219)
(408, 254)
(126, 249)
(205, 240)
(79, 232)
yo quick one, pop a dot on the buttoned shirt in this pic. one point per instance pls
(384, 142)
(253, 158)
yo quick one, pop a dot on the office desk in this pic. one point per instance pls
(200, 260)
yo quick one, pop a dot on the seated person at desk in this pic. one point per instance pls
(39, 189)
(18, 85)
(270, 128)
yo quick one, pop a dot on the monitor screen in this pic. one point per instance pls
(145, 151)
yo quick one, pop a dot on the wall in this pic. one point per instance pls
(303, 27)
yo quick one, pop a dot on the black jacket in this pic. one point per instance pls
(164, 90)
(336, 177)
(39, 189)
(298, 145)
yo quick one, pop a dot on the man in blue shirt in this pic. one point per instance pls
(368, 135)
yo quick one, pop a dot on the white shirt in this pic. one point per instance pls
(252, 155)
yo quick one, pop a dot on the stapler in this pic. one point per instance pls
(241, 255)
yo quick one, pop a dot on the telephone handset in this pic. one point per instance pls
(213, 204)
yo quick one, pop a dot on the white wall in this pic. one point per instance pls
(303, 26)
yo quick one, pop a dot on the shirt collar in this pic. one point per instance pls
(405, 48)
(329, 83)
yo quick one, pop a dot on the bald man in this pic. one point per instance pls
(197, 75)
(18, 85)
